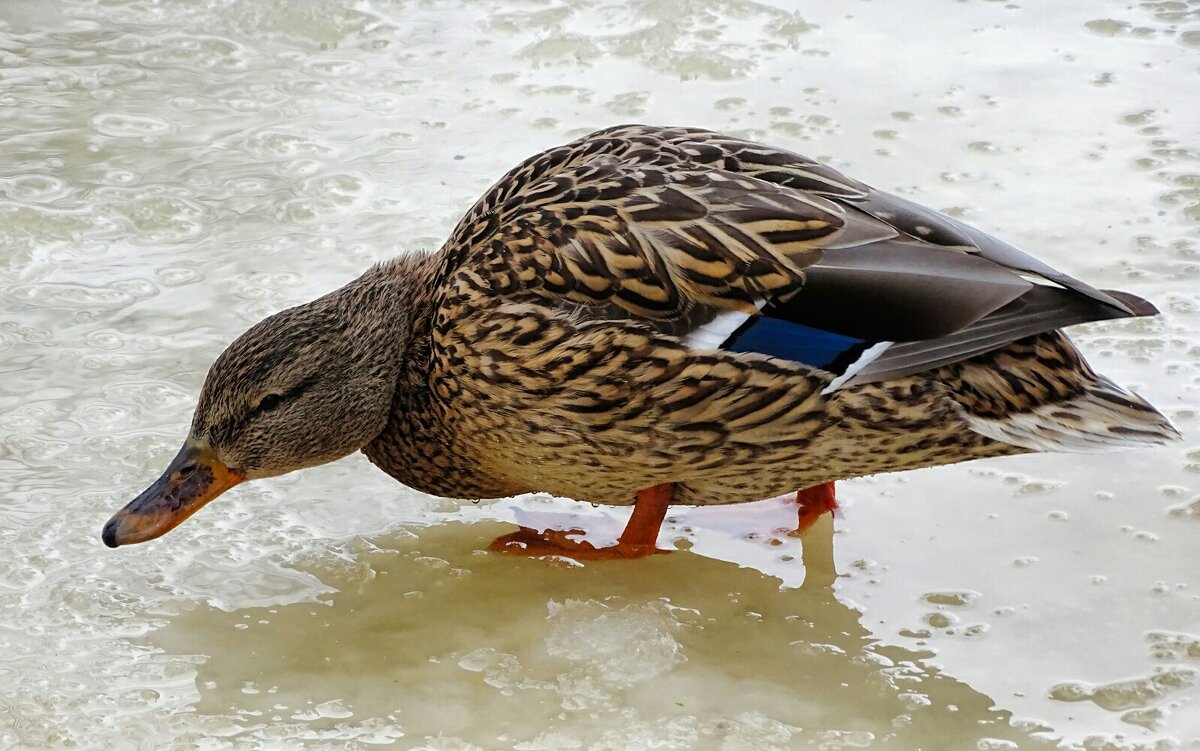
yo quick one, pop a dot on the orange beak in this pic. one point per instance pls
(194, 477)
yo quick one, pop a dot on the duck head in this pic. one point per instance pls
(303, 387)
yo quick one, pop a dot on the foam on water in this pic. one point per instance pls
(172, 172)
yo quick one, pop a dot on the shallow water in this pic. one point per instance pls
(171, 172)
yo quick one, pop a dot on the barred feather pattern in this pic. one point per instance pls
(596, 412)
(545, 353)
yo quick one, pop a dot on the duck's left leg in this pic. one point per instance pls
(812, 503)
(641, 532)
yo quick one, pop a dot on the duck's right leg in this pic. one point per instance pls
(813, 502)
(638, 539)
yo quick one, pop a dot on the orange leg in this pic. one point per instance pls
(649, 510)
(813, 502)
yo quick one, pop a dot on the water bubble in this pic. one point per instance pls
(124, 125)
(951, 598)
(941, 620)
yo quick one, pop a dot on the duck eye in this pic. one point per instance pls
(269, 402)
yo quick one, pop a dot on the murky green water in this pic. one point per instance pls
(170, 172)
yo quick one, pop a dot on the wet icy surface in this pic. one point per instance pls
(171, 172)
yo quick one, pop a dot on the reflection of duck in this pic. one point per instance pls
(670, 315)
(576, 657)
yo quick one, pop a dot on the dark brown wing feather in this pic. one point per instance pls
(1040, 309)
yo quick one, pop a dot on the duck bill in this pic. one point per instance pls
(194, 477)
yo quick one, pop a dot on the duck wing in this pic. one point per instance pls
(733, 245)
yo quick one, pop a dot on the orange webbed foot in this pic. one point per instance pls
(556, 542)
(637, 541)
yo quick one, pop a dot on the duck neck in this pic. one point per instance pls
(388, 308)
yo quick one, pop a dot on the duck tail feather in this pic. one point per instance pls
(1039, 393)
(1104, 417)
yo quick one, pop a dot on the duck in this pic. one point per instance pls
(651, 316)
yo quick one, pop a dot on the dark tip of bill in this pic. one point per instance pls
(109, 535)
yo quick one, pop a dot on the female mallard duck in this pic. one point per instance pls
(663, 315)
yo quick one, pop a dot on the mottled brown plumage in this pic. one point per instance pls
(575, 335)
